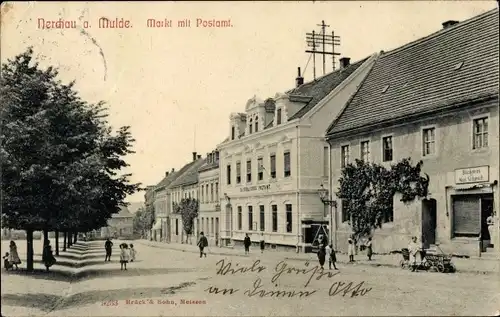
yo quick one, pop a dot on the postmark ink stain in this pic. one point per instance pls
(83, 32)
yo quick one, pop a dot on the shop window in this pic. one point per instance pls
(238, 172)
(262, 218)
(240, 218)
(274, 210)
(286, 161)
(428, 141)
(466, 215)
(480, 136)
(289, 218)
(387, 148)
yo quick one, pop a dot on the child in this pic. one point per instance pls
(132, 253)
(350, 250)
(332, 258)
(369, 250)
(124, 256)
(6, 262)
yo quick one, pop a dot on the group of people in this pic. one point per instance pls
(11, 259)
(327, 252)
(127, 253)
(247, 243)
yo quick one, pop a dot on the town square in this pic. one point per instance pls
(335, 160)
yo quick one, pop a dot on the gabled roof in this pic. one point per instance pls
(123, 213)
(453, 65)
(318, 89)
(188, 174)
(167, 180)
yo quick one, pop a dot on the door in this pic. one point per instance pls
(486, 211)
(429, 221)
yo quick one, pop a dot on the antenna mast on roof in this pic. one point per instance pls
(314, 40)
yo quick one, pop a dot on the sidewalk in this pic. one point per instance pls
(472, 265)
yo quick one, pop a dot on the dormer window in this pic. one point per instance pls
(278, 116)
(250, 126)
(233, 133)
(256, 124)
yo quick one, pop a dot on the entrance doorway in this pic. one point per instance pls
(429, 222)
(486, 211)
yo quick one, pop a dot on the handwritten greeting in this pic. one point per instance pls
(309, 273)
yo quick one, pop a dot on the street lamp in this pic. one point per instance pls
(327, 201)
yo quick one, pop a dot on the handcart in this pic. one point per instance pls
(441, 262)
(419, 265)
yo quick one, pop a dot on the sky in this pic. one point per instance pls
(176, 87)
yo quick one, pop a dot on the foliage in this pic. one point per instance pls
(60, 158)
(368, 190)
(141, 221)
(188, 208)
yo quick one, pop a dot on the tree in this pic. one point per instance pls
(60, 158)
(368, 191)
(142, 222)
(188, 209)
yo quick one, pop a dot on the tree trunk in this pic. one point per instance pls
(70, 239)
(75, 237)
(57, 242)
(29, 250)
(45, 236)
(65, 235)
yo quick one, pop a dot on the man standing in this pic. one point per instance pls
(108, 245)
(202, 243)
(247, 243)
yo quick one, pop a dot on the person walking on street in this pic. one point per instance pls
(202, 244)
(332, 257)
(369, 250)
(262, 242)
(247, 243)
(14, 259)
(321, 254)
(47, 256)
(350, 250)
(108, 246)
(124, 256)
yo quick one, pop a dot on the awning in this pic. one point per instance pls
(472, 186)
(157, 225)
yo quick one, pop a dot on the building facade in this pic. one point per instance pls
(209, 199)
(184, 186)
(121, 225)
(445, 114)
(269, 167)
(162, 207)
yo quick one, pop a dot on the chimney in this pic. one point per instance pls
(344, 62)
(166, 174)
(199, 157)
(449, 23)
(173, 170)
(299, 80)
(194, 156)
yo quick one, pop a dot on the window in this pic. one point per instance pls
(278, 116)
(203, 225)
(326, 161)
(365, 151)
(286, 161)
(176, 227)
(256, 124)
(202, 193)
(480, 136)
(211, 192)
(389, 214)
(260, 165)
(345, 213)
(206, 191)
(217, 191)
(428, 141)
(262, 218)
(288, 218)
(232, 133)
(229, 174)
(345, 155)
(250, 126)
(273, 165)
(250, 218)
(387, 148)
(274, 209)
(240, 218)
(249, 171)
(212, 225)
(238, 172)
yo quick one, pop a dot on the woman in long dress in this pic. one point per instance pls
(321, 255)
(369, 250)
(47, 256)
(13, 255)
(490, 222)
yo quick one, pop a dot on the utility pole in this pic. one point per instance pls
(315, 40)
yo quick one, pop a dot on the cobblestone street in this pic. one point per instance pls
(161, 279)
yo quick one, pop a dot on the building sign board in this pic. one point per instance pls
(477, 174)
(254, 188)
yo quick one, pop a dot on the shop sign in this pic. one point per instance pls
(472, 175)
(254, 188)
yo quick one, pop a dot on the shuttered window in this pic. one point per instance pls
(466, 215)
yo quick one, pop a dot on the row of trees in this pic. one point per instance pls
(60, 158)
(369, 189)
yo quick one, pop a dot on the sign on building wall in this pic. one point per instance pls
(254, 188)
(472, 175)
